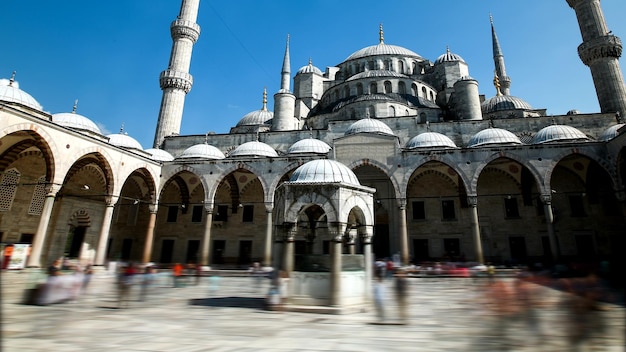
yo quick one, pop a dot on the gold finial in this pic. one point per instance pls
(381, 37)
(496, 83)
(75, 106)
(12, 79)
(447, 49)
(264, 98)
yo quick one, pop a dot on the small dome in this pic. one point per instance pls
(493, 136)
(159, 154)
(309, 145)
(309, 69)
(255, 118)
(369, 126)
(324, 171)
(610, 133)
(11, 93)
(75, 121)
(555, 133)
(502, 103)
(382, 49)
(124, 141)
(573, 112)
(449, 57)
(202, 151)
(430, 140)
(254, 148)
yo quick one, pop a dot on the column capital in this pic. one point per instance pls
(153, 208)
(52, 189)
(401, 203)
(546, 198)
(620, 194)
(472, 200)
(269, 207)
(208, 207)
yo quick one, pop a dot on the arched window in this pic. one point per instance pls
(388, 87)
(388, 65)
(422, 117)
(8, 187)
(373, 88)
(359, 89)
(336, 95)
(415, 71)
(346, 92)
(372, 111)
(424, 94)
(401, 66)
(371, 65)
(414, 89)
(432, 97)
(401, 88)
(352, 114)
(392, 111)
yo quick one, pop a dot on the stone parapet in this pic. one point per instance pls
(182, 29)
(176, 79)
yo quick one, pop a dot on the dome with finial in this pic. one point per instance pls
(493, 136)
(255, 149)
(75, 121)
(324, 171)
(123, 140)
(309, 69)
(258, 117)
(159, 154)
(10, 92)
(558, 133)
(309, 145)
(430, 140)
(382, 49)
(449, 57)
(369, 125)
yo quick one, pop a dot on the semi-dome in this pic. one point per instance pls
(10, 92)
(309, 145)
(124, 141)
(309, 69)
(324, 171)
(202, 151)
(430, 140)
(75, 121)
(493, 136)
(254, 148)
(382, 49)
(159, 154)
(504, 102)
(610, 132)
(369, 125)
(449, 57)
(555, 133)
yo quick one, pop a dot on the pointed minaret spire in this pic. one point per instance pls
(381, 37)
(75, 106)
(498, 59)
(286, 71)
(176, 81)
(264, 98)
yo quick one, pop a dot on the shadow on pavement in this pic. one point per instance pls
(236, 302)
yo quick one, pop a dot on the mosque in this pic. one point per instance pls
(386, 153)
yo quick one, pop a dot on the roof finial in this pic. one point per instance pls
(206, 138)
(381, 37)
(264, 98)
(448, 49)
(310, 132)
(427, 126)
(496, 83)
(491, 122)
(257, 135)
(75, 106)
(12, 79)
(122, 128)
(310, 61)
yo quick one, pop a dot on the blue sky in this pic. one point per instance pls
(108, 54)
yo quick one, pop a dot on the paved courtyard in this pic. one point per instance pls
(444, 315)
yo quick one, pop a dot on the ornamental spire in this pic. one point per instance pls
(75, 106)
(12, 79)
(381, 37)
(264, 98)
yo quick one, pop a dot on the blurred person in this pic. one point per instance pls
(529, 302)
(146, 282)
(198, 273)
(389, 268)
(124, 284)
(502, 307)
(87, 275)
(379, 296)
(177, 272)
(257, 273)
(54, 268)
(283, 288)
(401, 287)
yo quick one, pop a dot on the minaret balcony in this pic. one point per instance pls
(181, 29)
(608, 46)
(176, 79)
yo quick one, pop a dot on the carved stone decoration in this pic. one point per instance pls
(182, 29)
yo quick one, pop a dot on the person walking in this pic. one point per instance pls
(379, 296)
(401, 289)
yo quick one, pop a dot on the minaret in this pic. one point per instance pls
(284, 100)
(176, 81)
(600, 50)
(498, 59)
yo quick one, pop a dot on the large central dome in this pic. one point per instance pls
(382, 49)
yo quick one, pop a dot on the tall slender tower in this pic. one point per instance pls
(600, 50)
(498, 59)
(284, 100)
(176, 81)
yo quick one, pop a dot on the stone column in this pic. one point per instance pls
(147, 249)
(103, 240)
(267, 253)
(404, 240)
(475, 227)
(34, 260)
(369, 263)
(336, 231)
(205, 254)
(350, 240)
(547, 210)
(288, 238)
